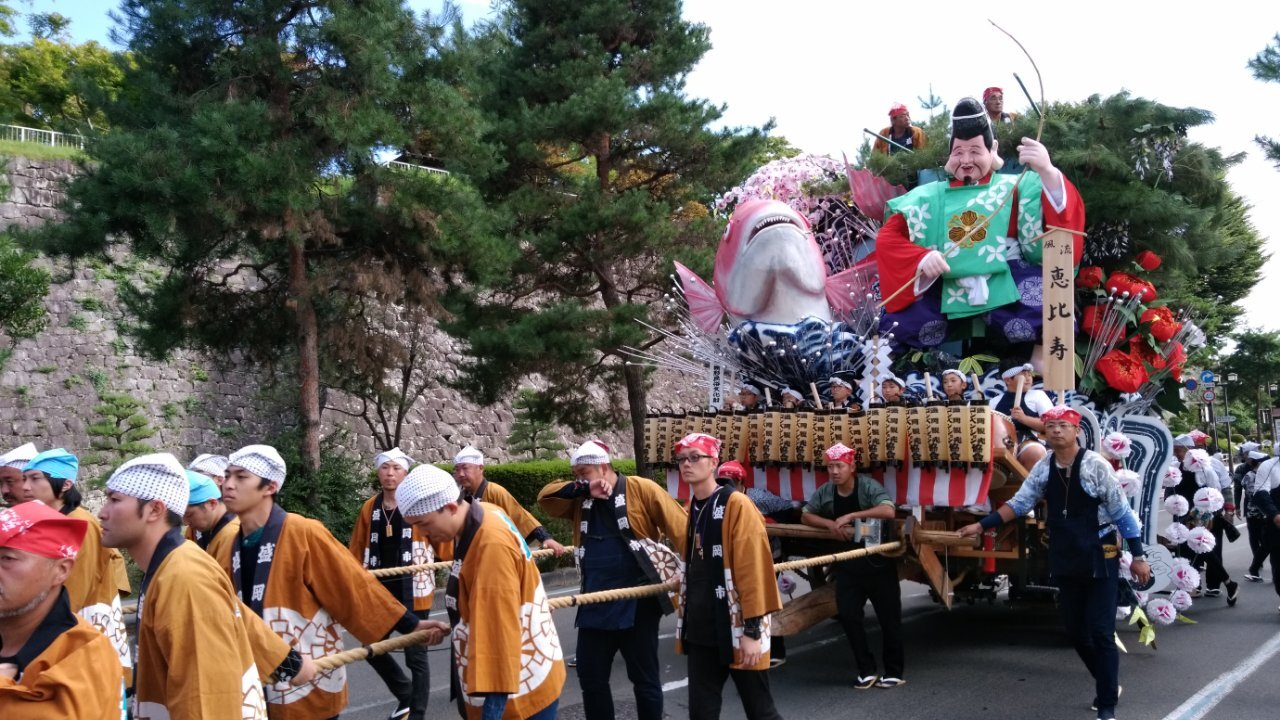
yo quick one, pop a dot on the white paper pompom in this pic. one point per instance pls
(1176, 533)
(1208, 500)
(1126, 561)
(1181, 600)
(1177, 505)
(1130, 482)
(1196, 460)
(1172, 476)
(786, 584)
(1162, 611)
(1117, 445)
(1184, 576)
(1200, 540)
(1143, 596)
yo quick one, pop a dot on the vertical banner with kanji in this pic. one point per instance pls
(1058, 312)
(716, 379)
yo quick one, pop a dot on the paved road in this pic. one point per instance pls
(980, 661)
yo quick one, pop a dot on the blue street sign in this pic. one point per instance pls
(1191, 384)
(1206, 376)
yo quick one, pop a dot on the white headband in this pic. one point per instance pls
(215, 465)
(425, 490)
(393, 455)
(19, 456)
(158, 476)
(1025, 367)
(261, 460)
(469, 455)
(589, 453)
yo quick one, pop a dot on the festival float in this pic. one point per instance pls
(807, 294)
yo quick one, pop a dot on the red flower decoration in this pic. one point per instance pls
(1122, 371)
(1163, 326)
(1091, 322)
(1090, 277)
(1176, 359)
(1148, 260)
(1123, 282)
(1141, 349)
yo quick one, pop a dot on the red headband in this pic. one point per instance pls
(41, 530)
(701, 442)
(896, 110)
(732, 470)
(841, 453)
(991, 91)
(1061, 412)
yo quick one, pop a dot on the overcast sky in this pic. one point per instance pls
(825, 69)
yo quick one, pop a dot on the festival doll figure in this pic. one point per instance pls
(968, 248)
(954, 385)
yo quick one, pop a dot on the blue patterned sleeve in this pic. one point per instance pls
(1032, 488)
(1103, 486)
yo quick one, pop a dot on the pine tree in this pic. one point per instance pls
(119, 431)
(608, 164)
(531, 434)
(1266, 67)
(243, 161)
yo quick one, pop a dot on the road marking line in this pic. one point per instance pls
(1198, 705)
(675, 684)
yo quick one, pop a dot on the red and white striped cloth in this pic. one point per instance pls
(914, 486)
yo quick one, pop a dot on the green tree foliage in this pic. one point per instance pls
(22, 292)
(607, 164)
(1266, 67)
(532, 435)
(119, 431)
(242, 160)
(1256, 360)
(53, 83)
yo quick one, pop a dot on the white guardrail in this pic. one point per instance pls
(18, 133)
(402, 165)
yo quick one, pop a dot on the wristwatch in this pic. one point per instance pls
(751, 628)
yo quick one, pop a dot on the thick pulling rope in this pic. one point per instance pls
(441, 565)
(404, 570)
(346, 657)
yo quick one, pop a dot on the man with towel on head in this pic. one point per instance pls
(195, 653)
(383, 538)
(1086, 511)
(209, 523)
(213, 467)
(619, 523)
(290, 571)
(53, 664)
(507, 658)
(11, 465)
(468, 470)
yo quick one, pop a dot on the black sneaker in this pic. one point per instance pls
(1233, 593)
